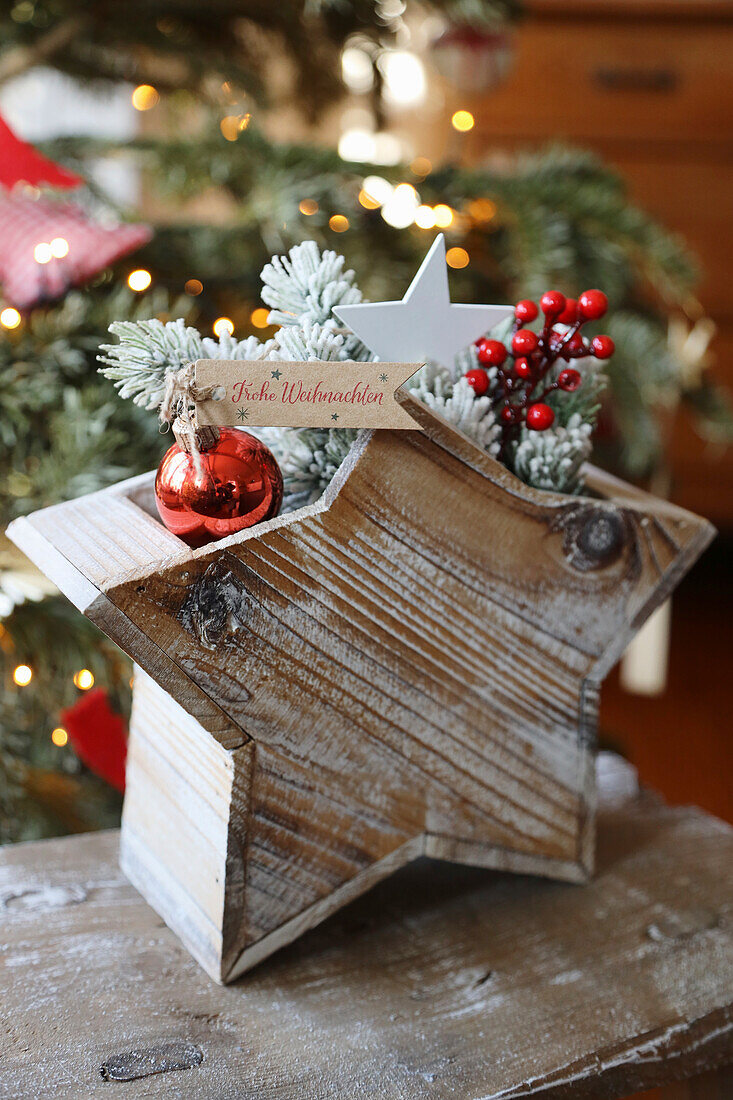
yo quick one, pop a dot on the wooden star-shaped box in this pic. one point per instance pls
(409, 666)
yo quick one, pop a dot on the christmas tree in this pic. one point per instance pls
(551, 218)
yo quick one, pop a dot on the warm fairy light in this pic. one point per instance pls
(377, 188)
(457, 257)
(139, 279)
(59, 736)
(443, 215)
(84, 679)
(339, 223)
(232, 126)
(193, 287)
(260, 317)
(405, 82)
(222, 326)
(42, 253)
(399, 209)
(59, 247)
(421, 166)
(229, 127)
(366, 200)
(144, 97)
(23, 675)
(308, 207)
(425, 217)
(482, 210)
(462, 121)
(10, 318)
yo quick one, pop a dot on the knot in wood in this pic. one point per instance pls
(595, 536)
(131, 1065)
(213, 606)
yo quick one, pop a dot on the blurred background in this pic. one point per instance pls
(155, 156)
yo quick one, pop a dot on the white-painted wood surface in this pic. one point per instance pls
(443, 982)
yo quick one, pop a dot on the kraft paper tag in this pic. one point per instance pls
(267, 394)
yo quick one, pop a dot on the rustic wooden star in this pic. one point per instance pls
(410, 666)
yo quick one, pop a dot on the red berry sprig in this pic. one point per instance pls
(524, 369)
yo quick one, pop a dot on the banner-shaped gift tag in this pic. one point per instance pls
(268, 394)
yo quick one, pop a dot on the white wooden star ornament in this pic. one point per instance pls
(425, 324)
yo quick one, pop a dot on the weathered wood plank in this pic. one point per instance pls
(443, 981)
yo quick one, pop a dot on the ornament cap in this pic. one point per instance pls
(192, 439)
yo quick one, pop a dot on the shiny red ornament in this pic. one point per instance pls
(570, 314)
(478, 380)
(603, 347)
(491, 353)
(540, 417)
(569, 379)
(525, 311)
(523, 367)
(524, 342)
(592, 304)
(552, 303)
(240, 485)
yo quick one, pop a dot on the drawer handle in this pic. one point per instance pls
(636, 80)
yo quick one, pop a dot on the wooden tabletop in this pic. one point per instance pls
(443, 982)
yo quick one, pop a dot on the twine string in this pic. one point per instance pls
(178, 409)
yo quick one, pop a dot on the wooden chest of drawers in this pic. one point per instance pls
(649, 85)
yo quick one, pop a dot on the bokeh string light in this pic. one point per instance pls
(139, 280)
(10, 317)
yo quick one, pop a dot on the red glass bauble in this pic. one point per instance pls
(240, 484)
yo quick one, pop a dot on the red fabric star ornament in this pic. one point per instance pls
(21, 163)
(98, 736)
(48, 247)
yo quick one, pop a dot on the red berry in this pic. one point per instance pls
(603, 347)
(478, 380)
(539, 417)
(569, 379)
(524, 342)
(552, 302)
(525, 310)
(575, 343)
(592, 304)
(570, 314)
(510, 414)
(491, 353)
(523, 367)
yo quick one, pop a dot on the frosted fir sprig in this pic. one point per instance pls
(553, 459)
(147, 352)
(304, 287)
